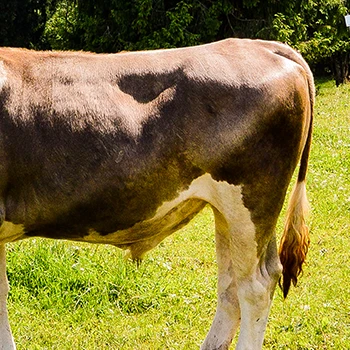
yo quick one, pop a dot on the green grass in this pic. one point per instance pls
(78, 296)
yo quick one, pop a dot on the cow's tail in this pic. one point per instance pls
(295, 239)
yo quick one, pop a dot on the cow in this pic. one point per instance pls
(126, 148)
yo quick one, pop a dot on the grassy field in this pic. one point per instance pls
(78, 296)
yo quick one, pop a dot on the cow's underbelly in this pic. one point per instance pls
(169, 217)
(173, 215)
(146, 235)
(10, 232)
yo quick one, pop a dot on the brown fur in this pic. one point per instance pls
(119, 148)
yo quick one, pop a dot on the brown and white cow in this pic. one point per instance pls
(126, 148)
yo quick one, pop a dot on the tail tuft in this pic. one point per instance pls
(295, 240)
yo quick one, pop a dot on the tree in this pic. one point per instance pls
(315, 27)
(317, 30)
(22, 22)
(115, 25)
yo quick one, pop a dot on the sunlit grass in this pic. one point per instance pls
(78, 296)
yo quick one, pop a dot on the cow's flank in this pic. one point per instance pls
(127, 148)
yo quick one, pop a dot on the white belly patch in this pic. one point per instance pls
(10, 232)
(174, 214)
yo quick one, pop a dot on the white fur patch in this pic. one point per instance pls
(10, 232)
(226, 198)
(6, 339)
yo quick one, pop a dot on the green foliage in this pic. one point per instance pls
(289, 28)
(176, 32)
(23, 22)
(60, 28)
(144, 24)
(315, 28)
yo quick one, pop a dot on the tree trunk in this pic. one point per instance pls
(341, 67)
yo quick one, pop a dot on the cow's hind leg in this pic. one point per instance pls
(255, 290)
(227, 315)
(249, 269)
(6, 339)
